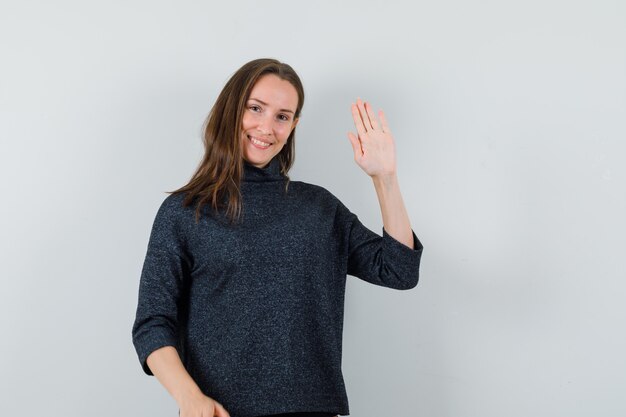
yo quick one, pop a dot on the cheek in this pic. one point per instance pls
(247, 120)
(284, 130)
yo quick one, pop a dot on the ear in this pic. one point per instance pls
(295, 122)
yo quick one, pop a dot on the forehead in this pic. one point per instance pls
(276, 92)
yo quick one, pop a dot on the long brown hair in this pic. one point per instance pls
(218, 176)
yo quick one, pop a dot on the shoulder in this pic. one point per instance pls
(170, 228)
(309, 190)
(171, 213)
(171, 205)
(321, 197)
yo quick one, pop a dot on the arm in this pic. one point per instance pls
(379, 260)
(395, 218)
(374, 151)
(167, 367)
(393, 260)
(156, 327)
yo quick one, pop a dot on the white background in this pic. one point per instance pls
(510, 125)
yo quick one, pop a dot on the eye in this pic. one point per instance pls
(286, 118)
(254, 107)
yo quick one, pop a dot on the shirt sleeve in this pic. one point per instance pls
(160, 287)
(379, 260)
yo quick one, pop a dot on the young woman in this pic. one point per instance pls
(241, 297)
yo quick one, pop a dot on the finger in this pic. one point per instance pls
(358, 122)
(366, 120)
(356, 145)
(383, 120)
(370, 114)
(220, 411)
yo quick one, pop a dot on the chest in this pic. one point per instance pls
(277, 243)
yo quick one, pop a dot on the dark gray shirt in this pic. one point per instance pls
(256, 309)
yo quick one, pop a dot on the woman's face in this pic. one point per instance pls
(268, 119)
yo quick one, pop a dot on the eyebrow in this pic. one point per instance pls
(265, 104)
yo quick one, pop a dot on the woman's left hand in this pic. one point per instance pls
(374, 147)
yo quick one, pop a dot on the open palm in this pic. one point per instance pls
(374, 147)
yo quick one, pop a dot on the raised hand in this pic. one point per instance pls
(374, 147)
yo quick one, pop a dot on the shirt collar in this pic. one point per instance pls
(271, 172)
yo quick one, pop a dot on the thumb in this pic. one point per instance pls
(356, 145)
(220, 411)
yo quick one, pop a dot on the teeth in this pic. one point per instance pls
(258, 142)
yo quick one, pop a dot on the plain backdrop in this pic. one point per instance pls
(510, 125)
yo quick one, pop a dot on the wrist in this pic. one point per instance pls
(187, 393)
(385, 180)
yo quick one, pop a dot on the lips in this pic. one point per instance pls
(259, 143)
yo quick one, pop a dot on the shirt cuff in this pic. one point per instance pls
(406, 261)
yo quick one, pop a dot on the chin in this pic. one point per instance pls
(258, 162)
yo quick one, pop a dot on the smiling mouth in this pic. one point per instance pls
(258, 143)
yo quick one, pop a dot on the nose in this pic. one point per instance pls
(265, 126)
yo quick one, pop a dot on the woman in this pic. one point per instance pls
(241, 297)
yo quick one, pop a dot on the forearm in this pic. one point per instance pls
(395, 218)
(167, 367)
